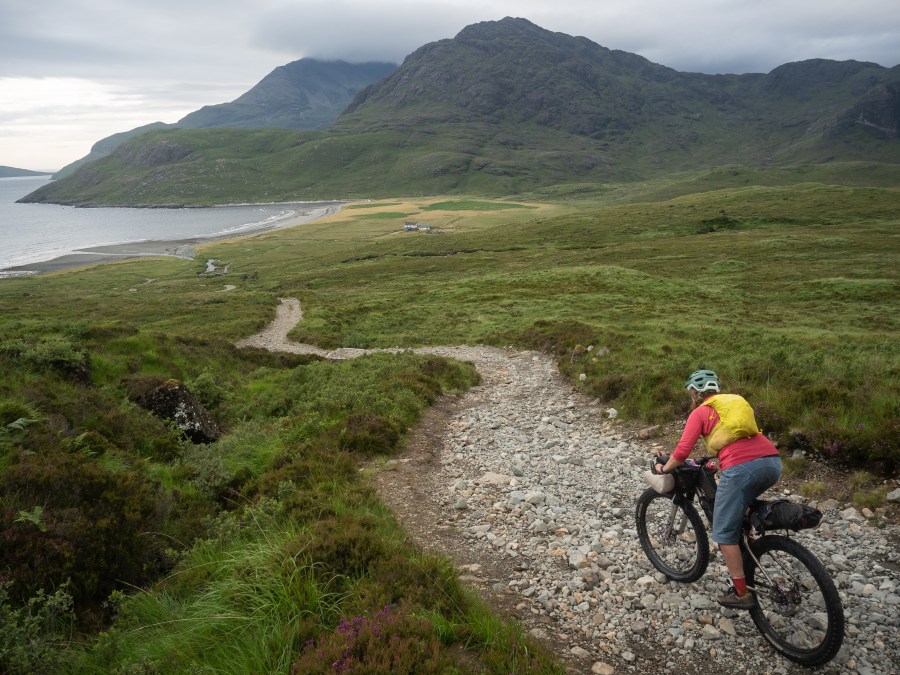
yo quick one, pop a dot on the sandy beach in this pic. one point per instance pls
(178, 248)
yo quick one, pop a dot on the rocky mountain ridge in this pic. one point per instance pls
(303, 94)
(507, 106)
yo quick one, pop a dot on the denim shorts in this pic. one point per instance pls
(738, 486)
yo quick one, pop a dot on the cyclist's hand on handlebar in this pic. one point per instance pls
(660, 462)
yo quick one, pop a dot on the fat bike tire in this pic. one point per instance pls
(798, 609)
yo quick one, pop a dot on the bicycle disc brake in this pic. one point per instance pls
(787, 597)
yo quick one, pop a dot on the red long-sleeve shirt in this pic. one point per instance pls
(701, 422)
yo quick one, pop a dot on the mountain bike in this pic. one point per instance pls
(798, 609)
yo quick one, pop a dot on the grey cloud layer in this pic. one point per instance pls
(138, 61)
(94, 39)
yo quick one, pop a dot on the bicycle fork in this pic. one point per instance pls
(670, 532)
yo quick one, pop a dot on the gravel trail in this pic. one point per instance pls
(530, 485)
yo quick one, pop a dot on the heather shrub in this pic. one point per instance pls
(92, 527)
(368, 434)
(442, 375)
(406, 577)
(554, 337)
(390, 641)
(345, 545)
(769, 419)
(12, 410)
(305, 466)
(204, 468)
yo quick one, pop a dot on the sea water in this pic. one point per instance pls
(31, 233)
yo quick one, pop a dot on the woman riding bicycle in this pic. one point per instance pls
(748, 462)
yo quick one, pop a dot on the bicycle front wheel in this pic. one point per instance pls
(672, 535)
(798, 609)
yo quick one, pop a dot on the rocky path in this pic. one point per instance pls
(531, 490)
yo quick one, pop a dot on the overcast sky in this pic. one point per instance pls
(75, 71)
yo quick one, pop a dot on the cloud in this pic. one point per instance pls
(356, 31)
(163, 59)
(48, 122)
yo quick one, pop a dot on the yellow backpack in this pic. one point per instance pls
(736, 420)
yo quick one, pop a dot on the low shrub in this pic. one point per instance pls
(405, 576)
(203, 467)
(769, 419)
(345, 545)
(305, 466)
(207, 389)
(367, 434)
(92, 527)
(90, 443)
(30, 634)
(554, 337)
(60, 354)
(390, 641)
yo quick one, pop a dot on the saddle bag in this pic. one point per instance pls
(782, 514)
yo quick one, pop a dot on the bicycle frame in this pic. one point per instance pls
(705, 489)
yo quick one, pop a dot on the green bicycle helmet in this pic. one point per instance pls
(703, 380)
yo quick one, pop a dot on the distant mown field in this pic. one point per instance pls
(790, 292)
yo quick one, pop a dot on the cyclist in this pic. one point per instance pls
(748, 462)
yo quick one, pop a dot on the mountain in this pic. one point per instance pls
(512, 73)
(12, 172)
(506, 107)
(304, 94)
(105, 146)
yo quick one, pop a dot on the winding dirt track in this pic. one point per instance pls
(524, 425)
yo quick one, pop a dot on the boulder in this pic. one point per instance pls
(171, 400)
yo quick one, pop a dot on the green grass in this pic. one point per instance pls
(383, 215)
(789, 292)
(473, 205)
(372, 205)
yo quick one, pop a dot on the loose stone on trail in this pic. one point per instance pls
(546, 469)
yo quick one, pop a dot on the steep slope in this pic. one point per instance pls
(506, 107)
(304, 94)
(513, 72)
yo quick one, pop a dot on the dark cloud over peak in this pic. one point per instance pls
(170, 57)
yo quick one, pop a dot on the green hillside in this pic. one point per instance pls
(507, 107)
(304, 94)
(270, 535)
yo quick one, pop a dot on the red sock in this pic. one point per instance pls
(740, 586)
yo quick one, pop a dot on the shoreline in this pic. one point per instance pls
(174, 248)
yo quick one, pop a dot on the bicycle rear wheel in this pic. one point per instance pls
(798, 609)
(672, 535)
